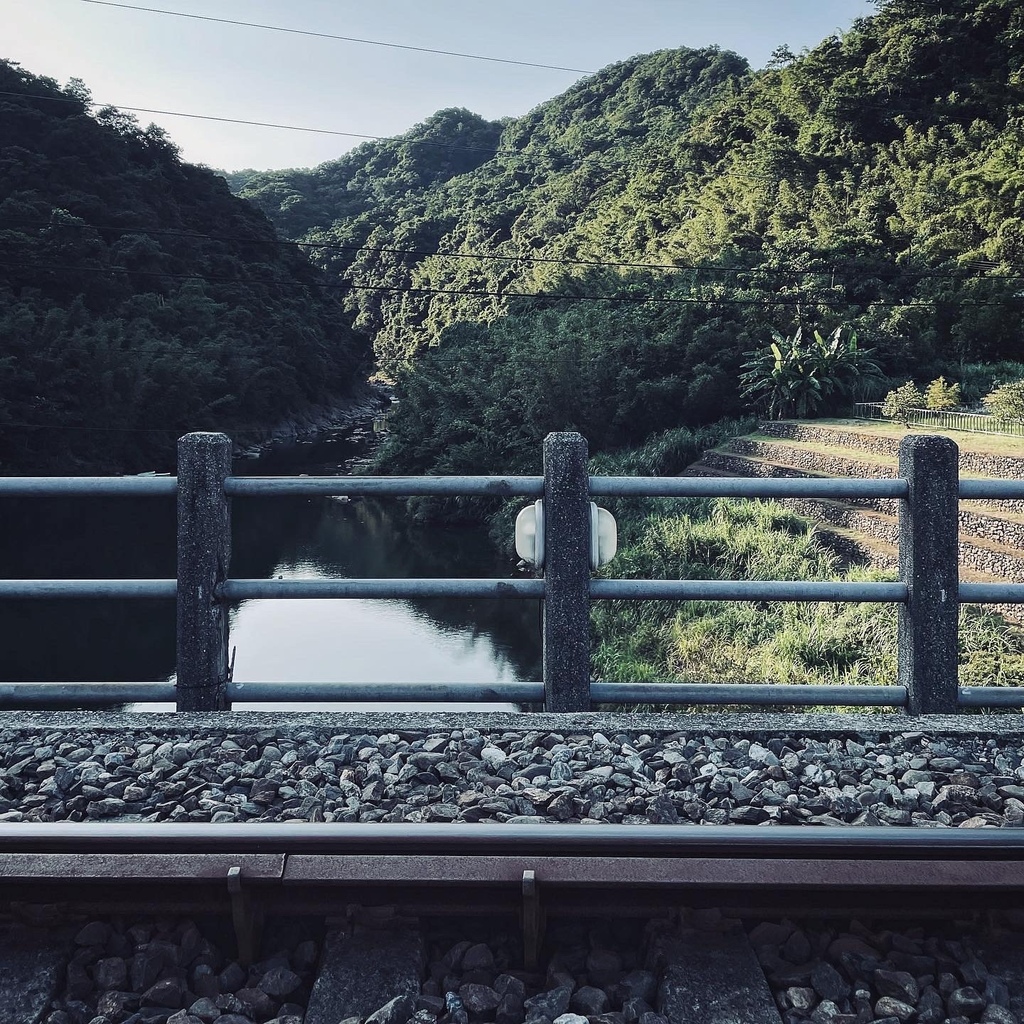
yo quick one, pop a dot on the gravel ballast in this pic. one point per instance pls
(301, 773)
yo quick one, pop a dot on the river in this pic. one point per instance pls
(347, 641)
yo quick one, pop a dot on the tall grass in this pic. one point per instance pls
(769, 641)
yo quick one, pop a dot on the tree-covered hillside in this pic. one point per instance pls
(139, 299)
(674, 209)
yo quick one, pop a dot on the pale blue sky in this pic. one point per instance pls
(152, 60)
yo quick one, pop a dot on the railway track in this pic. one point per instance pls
(709, 913)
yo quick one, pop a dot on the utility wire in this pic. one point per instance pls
(344, 39)
(263, 124)
(501, 257)
(496, 293)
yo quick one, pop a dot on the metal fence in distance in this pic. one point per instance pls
(927, 591)
(944, 419)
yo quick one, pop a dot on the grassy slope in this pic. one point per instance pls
(764, 641)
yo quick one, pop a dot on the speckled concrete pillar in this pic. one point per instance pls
(929, 566)
(566, 573)
(204, 552)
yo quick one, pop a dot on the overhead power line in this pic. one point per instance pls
(263, 124)
(769, 299)
(344, 39)
(712, 268)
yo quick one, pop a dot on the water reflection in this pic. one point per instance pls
(436, 640)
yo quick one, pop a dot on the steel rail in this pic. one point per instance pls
(745, 590)
(385, 486)
(88, 588)
(467, 693)
(760, 694)
(553, 840)
(991, 593)
(746, 487)
(973, 487)
(88, 486)
(991, 696)
(243, 590)
(84, 695)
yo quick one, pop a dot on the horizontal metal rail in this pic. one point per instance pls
(104, 694)
(734, 841)
(759, 694)
(88, 486)
(991, 697)
(745, 590)
(88, 588)
(991, 593)
(455, 693)
(744, 487)
(243, 590)
(971, 487)
(84, 695)
(383, 486)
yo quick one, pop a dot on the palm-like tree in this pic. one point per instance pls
(798, 376)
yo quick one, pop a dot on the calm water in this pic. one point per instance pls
(288, 641)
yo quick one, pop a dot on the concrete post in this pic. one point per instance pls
(566, 573)
(929, 565)
(204, 552)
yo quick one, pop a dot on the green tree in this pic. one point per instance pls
(939, 395)
(1006, 402)
(901, 401)
(800, 376)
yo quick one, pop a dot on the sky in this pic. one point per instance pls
(133, 58)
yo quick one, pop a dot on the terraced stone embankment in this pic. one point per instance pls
(991, 532)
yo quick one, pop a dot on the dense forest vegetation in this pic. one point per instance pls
(665, 216)
(139, 298)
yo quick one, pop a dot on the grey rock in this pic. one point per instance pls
(549, 1004)
(633, 1009)
(478, 958)
(802, 999)
(257, 1003)
(589, 1001)
(396, 1011)
(570, 1018)
(638, 984)
(167, 992)
(205, 1009)
(232, 978)
(478, 999)
(828, 982)
(995, 1014)
(279, 982)
(887, 1006)
(111, 972)
(898, 984)
(965, 1002)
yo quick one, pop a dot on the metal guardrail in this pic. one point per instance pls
(969, 422)
(928, 591)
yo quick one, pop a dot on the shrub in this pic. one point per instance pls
(899, 403)
(939, 395)
(1006, 402)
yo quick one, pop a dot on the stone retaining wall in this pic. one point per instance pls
(1006, 467)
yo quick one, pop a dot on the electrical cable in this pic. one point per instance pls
(501, 294)
(501, 257)
(344, 39)
(264, 124)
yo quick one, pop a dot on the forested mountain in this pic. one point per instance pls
(139, 299)
(875, 181)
